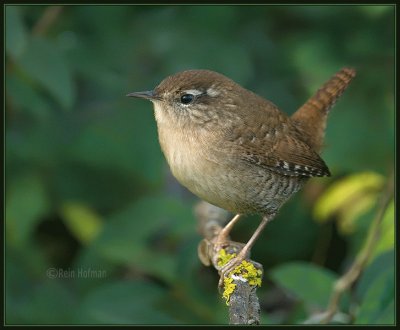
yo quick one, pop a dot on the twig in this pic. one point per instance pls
(244, 307)
(346, 281)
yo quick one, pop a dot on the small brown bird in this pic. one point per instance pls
(237, 150)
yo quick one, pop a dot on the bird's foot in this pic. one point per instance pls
(230, 266)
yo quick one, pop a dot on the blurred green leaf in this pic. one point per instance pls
(127, 231)
(137, 234)
(26, 203)
(386, 239)
(375, 11)
(44, 63)
(387, 315)
(83, 222)
(308, 51)
(39, 145)
(52, 302)
(47, 302)
(90, 259)
(124, 139)
(124, 302)
(21, 271)
(383, 262)
(21, 94)
(16, 35)
(377, 304)
(158, 264)
(128, 235)
(308, 283)
(202, 299)
(349, 198)
(290, 222)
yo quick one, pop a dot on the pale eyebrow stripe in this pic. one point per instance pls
(212, 92)
(195, 92)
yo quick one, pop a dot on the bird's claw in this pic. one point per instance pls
(229, 267)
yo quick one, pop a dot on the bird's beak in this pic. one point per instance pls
(148, 95)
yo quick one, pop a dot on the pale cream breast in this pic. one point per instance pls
(181, 147)
(188, 157)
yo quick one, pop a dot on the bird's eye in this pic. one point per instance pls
(187, 98)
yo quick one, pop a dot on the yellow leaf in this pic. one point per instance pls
(82, 221)
(349, 215)
(349, 198)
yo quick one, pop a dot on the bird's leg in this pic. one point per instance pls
(234, 262)
(223, 234)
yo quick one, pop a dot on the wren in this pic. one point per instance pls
(237, 150)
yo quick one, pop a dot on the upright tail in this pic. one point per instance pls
(311, 117)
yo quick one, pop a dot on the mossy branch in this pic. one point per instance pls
(241, 285)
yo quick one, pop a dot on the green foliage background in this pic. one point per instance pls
(98, 231)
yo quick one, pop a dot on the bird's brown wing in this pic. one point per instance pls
(277, 148)
(288, 156)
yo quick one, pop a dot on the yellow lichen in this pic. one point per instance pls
(245, 270)
(224, 257)
(229, 287)
(249, 272)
